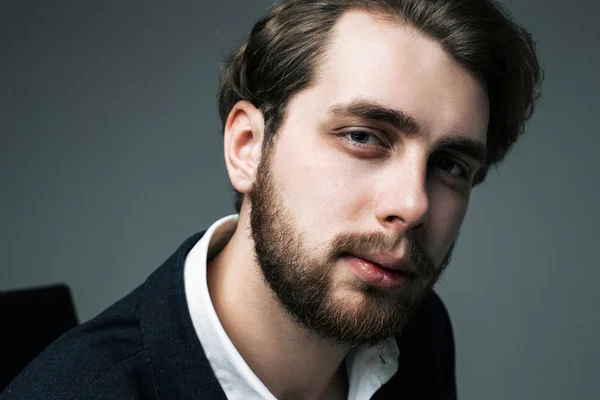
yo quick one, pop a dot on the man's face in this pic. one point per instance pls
(356, 207)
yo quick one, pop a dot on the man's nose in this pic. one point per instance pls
(402, 203)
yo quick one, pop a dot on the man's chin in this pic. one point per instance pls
(363, 316)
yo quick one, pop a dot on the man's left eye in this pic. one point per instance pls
(363, 137)
(452, 167)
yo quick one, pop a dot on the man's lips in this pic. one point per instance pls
(388, 261)
(385, 274)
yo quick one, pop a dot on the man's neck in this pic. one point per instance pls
(290, 362)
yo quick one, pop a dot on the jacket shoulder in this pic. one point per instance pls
(103, 358)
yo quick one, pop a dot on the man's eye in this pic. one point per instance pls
(363, 137)
(452, 167)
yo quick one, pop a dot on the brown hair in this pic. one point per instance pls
(280, 56)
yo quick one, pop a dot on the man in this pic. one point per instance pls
(354, 131)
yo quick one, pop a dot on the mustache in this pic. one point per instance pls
(378, 242)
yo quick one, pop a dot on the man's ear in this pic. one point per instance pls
(244, 130)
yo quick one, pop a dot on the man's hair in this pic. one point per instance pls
(281, 56)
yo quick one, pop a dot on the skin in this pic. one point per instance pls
(338, 172)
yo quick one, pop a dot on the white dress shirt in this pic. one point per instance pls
(368, 368)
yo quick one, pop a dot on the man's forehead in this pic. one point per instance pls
(361, 30)
(396, 66)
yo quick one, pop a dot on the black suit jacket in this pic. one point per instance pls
(145, 347)
(30, 320)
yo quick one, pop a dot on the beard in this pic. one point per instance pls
(302, 282)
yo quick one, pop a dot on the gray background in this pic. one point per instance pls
(110, 156)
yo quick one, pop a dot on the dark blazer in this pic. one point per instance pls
(31, 319)
(145, 347)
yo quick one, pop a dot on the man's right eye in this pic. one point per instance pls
(364, 137)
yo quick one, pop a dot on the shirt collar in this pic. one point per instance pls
(368, 368)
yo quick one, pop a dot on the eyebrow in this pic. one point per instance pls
(408, 125)
(376, 112)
